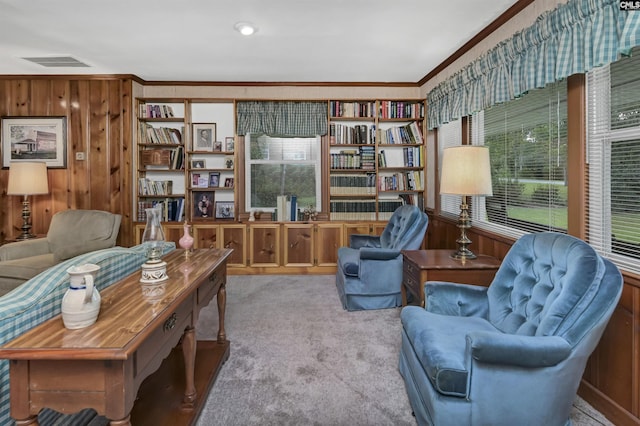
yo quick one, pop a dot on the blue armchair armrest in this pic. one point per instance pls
(517, 350)
(357, 241)
(463, 300)
(370, 253)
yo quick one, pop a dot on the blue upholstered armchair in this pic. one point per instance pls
(369, 271)
(512, 353)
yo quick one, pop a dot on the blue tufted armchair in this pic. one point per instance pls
(369, 272)
(512, 353)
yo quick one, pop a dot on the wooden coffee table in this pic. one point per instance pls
(104, 365)
(420, 266)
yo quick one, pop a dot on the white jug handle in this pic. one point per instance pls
(88, 281)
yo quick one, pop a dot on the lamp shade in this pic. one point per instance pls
(27, 178)
(466, 171)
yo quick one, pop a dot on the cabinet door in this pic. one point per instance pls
(298, 244)
(235, 237)
(206, 236)
(264, 245)
(329, 237)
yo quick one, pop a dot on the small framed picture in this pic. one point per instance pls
(204, 135)
(225, 210)
(228, 182)
(203, 204)
(229, 144)
(197, 164)
(217, 146)
(35, 139)
(195, 178)
(214, 179)
(228, 162)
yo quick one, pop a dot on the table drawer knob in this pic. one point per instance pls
(170, 322)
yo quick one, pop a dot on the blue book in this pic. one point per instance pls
(294, 208)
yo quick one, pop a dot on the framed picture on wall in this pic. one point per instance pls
(204, 136)
(229, 144)
(203, 204)
(35, 139)
(214, 179)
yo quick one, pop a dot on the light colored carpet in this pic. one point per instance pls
(297, 358)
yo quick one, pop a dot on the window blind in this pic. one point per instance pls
(449, 135)
(613, 156)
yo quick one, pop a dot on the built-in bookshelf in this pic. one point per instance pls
(376, 157)
(186, 159)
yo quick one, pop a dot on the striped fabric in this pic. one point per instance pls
(292, 119)
(40, 298)
(573, 38)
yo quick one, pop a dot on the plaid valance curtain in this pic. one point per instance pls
(573, 38)
(293, 119)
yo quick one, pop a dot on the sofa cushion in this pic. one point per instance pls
(27, 267)
(442, 355)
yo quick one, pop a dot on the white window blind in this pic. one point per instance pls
(449, 135)
(527, 140)
(613, 156)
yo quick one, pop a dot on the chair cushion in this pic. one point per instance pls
(442, 354)
(27, 267)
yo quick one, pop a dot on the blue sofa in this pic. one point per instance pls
(39, 299)
(512, 353)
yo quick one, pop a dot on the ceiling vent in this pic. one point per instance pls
(57, 61)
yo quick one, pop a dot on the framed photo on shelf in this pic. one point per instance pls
(204, 135)
(229, 144)
(35, 139)
(217, 146)
(228, 182)
(228, 162)
(214, 179)
(225, 210)
(203, 204)
(197, 164)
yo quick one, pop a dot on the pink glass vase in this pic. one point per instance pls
(186, 241)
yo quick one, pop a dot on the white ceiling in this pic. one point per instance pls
(195, 40)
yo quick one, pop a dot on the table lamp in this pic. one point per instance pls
(465, 171)
(27, 178)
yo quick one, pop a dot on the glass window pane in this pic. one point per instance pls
(270, 180)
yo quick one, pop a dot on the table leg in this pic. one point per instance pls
(222, 305)
(33, 420)
(189, 352)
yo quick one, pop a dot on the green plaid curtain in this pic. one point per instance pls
(573, 38)
(293, 119)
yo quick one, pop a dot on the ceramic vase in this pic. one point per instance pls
(186, 241)
(81, 301)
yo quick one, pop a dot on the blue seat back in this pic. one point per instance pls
(405, 229)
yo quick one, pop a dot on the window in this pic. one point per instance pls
(613, 147)
(282, 166)
(527, 140)
(449, 135)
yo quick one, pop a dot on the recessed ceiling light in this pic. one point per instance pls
(245, 28)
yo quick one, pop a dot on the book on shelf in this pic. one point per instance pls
(154, 187)
(343, 134)
(401, 109)
(352, 109)
(155, 157)
(352, 184)
(293, 207)
(410, 180)
(156, 111)
(160, 135)
(172, 210)
(406, 134)
(354, 209)
(386, 207)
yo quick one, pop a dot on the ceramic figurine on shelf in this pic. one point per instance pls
(186, 241)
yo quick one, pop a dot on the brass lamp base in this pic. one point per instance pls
(26, 226)
(464, 223)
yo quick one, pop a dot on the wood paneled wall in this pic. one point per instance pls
(99, 120)
(611, 379)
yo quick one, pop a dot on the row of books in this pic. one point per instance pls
(407, 134)
(401, 109)
(353, 184)
(352, 109)
(411, 156)
(156, 111)
(413, 199)
(357, 134)
(287, 208)
(172, 210)
(405, 181)
(163, 135)
(154, 187)
(364, 209)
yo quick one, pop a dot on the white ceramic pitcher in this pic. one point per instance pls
(81, 302)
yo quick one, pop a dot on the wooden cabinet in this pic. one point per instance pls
(206, 236)
(264, 245)
(298, 244)
(329, 237)
(234, 236)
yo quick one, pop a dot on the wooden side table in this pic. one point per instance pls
(420, 266)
